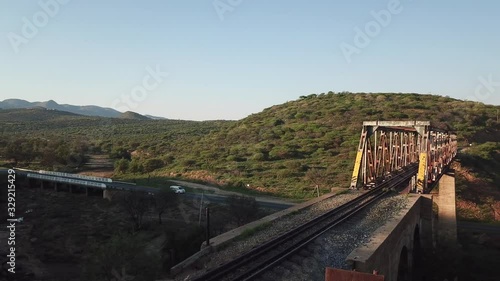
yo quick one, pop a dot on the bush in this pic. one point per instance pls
(259, 156)
(152, 164)
(120, 152)
(135, 166)
(189, 163)
(121, 166)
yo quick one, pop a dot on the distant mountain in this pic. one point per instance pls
(35, 114)
(133, 115)
(15, 103)
(155, 117)
(89, 110)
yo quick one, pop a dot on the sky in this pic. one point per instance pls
(227, 59)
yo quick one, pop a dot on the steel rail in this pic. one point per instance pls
(250, 256)
(271, 262)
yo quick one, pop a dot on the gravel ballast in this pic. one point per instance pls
(332, 248)
(277, 227)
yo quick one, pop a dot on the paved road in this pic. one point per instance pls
(214, 198)
(197, 196)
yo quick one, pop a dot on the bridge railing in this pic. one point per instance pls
(84, 177)
(67, 180)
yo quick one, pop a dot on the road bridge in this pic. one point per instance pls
(106, 187)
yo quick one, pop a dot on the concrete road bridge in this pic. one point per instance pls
(107, 187)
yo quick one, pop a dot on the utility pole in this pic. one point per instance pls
(208, 226)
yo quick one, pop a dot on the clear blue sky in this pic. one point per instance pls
(227, 64)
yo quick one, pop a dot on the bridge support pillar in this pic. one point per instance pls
(427, 222)
(70, 188)
(41, 185)
(56, 187)
(447, 215)
(107, 194)
(87, 191)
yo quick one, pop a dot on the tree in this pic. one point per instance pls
(317, 177)
(152, 164)
(136, 204)
(135, 166)
(122, 165)
(243, 209)
(13, 152)
(120, 152)
(164, 199)
(21, 150)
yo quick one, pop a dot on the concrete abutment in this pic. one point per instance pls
(393, 251)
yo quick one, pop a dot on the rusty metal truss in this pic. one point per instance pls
(387, 146)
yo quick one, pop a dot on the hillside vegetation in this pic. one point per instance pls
(132, 115)
(286, 149)
(289, 148)
(19, 116)
(90, 110)
(478, 182)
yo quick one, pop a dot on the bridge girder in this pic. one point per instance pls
(387, 146)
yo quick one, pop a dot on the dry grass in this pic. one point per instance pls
(477, 199)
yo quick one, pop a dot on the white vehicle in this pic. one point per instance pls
(177, 189)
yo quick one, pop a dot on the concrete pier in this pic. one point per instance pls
(447, 214)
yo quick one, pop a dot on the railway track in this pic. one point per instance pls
(262, 258)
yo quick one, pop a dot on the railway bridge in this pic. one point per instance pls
(386, 146)
(409, 156)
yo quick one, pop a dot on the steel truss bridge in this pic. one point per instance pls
(388, 146)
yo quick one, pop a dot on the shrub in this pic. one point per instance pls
(121, 166)
(152, 164)
(259, 156)
(135, 166)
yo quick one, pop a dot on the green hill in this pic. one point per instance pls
(274, 150)
(33, 114)
(285, 149)
(133, 115)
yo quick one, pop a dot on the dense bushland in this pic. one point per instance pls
(287, 149)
